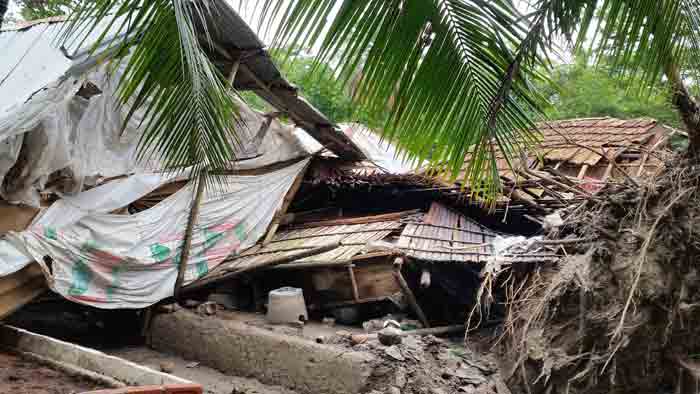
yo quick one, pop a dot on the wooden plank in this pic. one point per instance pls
(288, 198)
(582, 172)
(20, 288)
(387, 217)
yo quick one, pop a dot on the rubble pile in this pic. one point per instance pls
(430, 365)
(619, 313)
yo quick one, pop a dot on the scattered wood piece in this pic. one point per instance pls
(565, 241)
(212, 280)
(360, 220)
(410, 297)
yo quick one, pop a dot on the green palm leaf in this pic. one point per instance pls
(444, 64)
(191, 113)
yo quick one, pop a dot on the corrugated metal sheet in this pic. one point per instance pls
(353, 239)
(445, 235)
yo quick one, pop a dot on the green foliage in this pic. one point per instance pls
(440, 63)
(317, 83)
(189, 107)
(38, 9)
(586, 90)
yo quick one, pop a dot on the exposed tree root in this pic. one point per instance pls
(620, 314)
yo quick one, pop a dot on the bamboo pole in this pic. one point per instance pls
(410, 297)
(187, 242)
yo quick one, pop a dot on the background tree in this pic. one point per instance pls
(38, 9)
(319, 84)
(461, 71)
(582, 89)
(3, 10)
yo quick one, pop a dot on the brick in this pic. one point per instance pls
(184, 389)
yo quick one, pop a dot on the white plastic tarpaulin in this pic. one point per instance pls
(131, 261)
(378, 151)
(69, 210)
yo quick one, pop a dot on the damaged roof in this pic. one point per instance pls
(445, 235)
(27, 47)
(562, 139)
(353, 239)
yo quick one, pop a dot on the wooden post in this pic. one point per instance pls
(353, 281)
(288, 198)
(187, 242)
(264, 127)
(410, 297)
(234, 71)
(582, 172)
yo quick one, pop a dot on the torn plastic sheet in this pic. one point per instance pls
(130, 261)
(69, 210)
(378, 151)
(79, 141)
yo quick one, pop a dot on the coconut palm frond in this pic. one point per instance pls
(189, 107)
(645, 37)
(639, 37)
(441, 64)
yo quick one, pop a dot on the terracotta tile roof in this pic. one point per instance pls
(560, 138)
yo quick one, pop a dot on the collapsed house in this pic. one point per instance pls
(331, 210)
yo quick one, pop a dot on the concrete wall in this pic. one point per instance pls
(240, 349)
(80, 359)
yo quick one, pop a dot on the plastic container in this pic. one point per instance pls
(286, 305)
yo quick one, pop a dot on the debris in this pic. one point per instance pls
(469, 375)
(193, 364)
(192, 303)
(346, 315)
(373, 325)
(168, 308)
(400, 378)
(358, 339)
(394, 390)
(227, 300)
(552, 221)
(207, 308)
(167, 367)
(395, 353)
(612, 307)
(328, 321)
(389, 336)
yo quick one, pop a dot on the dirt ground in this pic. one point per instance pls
(21, 376)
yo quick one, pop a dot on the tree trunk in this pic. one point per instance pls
(688, 109)
(3, 10)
